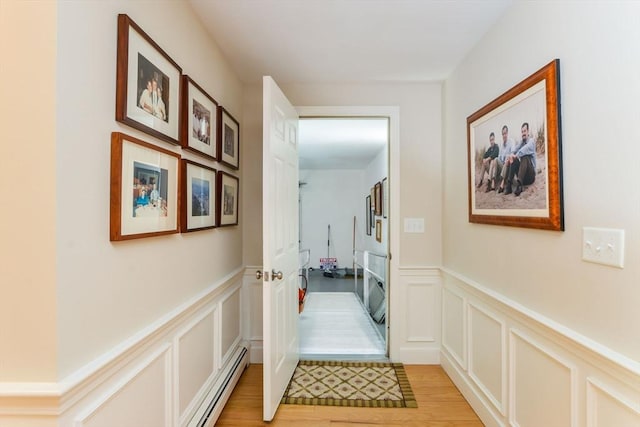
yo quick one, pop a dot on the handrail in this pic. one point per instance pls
(304, 265)
(367, 272)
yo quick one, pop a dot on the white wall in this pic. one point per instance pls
(540, 273)
(331, 197)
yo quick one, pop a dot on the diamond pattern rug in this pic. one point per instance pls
(360, 384)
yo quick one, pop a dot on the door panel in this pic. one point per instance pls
(280, 244)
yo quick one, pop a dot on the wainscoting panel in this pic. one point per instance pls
(487, 354)
(231, 334)
(524, 370)
(252, 287)
(196, 365)
(415, 314)
(140, 399)
(543, 390)
(454, 319)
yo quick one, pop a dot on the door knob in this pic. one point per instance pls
(259, 274)
(276, 274)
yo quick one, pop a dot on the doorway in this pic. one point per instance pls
(344, 235)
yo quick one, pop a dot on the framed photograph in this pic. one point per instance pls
(144, 189)
(227, 194)
(198, 204)
(367, 215)
(228, 139)
(147, 84)
(385, 198)
(379, 230)
(378, 203)
(373, 198)
(515, 157)
(199, 118)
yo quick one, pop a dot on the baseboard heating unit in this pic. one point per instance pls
(217, 397)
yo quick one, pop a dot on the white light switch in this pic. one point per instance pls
(414, 225)
(603, 246)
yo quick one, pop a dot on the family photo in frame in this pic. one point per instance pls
(514, 156)
(144, 189)
(147, 84)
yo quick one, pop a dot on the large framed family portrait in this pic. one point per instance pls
(147, 84)
(515, 157)
(144, 189)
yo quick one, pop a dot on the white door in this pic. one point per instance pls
(280, 244)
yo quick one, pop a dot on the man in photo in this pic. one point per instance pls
(503, 160)
(522, 170)
(490, 154)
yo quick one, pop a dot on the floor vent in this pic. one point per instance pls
(217, 397)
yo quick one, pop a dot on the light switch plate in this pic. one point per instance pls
(414, 225)
(603, 246)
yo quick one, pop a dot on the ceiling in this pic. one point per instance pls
(341, 143)
(346, 41)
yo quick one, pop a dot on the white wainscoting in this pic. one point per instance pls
(415, 315)
(157, 378)
(518, 368)
(252, 315)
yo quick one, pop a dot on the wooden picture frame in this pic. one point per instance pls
(144, 189)
(378, 202)
(228, 139)
(385, 198)
(367, 215)
(532, 198)
(379, 230)
(198, 204)
(147, 84)
(199, 120)
(227, 195)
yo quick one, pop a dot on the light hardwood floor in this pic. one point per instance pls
(440, 404)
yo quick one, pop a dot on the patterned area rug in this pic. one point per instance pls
(360, 384)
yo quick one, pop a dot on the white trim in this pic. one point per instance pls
(618, 359)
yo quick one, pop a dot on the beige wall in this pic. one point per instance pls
(27, 191)
(600, 87)
(108, 291)
(420, 156)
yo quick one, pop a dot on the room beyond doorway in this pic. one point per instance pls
(343, 170)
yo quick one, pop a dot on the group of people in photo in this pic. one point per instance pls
(151, 99)
(146, 197)
(509, 166)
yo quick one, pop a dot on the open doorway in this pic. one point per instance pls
(343, 213)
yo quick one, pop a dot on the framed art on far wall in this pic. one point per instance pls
(147, 84)
(198, 207)
(227, 199)
(378, 203)
(379, 230)
(367, 215)
(385, 198)
(144, 189)
(523, 186)
(228, 139)
(198, 122)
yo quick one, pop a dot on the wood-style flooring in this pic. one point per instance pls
(440, 404)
